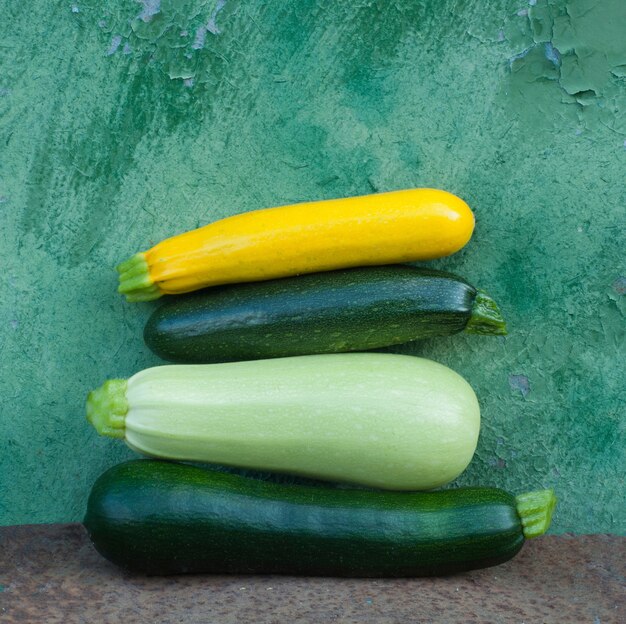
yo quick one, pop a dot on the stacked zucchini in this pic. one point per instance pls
(273, 377)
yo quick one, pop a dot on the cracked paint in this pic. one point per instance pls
(115, 44)
(209, 27)
(150, 9)
(198, 41)
(552, 54)
(582, 43)
(211, 24)
(174, 35)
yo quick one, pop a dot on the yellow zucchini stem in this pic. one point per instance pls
(135, 280)
(107, 407)
(535, 510)
(486, 317)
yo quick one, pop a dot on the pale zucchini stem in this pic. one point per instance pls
(535, 510)
(107, 407)
(486, 317)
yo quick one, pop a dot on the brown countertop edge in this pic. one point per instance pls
(51, 573)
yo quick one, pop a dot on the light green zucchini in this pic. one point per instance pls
(381, 420)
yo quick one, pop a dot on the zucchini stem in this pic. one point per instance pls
(135, 280)
(107, 407)
(486, 317)
(535, 510)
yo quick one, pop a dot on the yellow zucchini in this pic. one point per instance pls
(385, 228)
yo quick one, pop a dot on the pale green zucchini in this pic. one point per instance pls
(381, 420)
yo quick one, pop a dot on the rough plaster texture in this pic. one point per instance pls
(124, 122)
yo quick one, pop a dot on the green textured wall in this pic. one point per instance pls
(125, 122)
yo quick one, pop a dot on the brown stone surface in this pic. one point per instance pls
(51, 573)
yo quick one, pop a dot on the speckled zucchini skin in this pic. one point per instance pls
(168, 518)
(338, 311)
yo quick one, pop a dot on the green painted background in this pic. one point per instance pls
(124, 122)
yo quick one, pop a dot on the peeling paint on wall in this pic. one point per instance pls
(211, 25)
(172, 34)
(115, 44)
(575, 46)
(150, 9)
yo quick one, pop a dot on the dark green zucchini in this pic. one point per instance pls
(348, 310)
(168, 518)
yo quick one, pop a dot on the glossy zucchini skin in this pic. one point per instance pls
(167, 518)
(338, 311)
